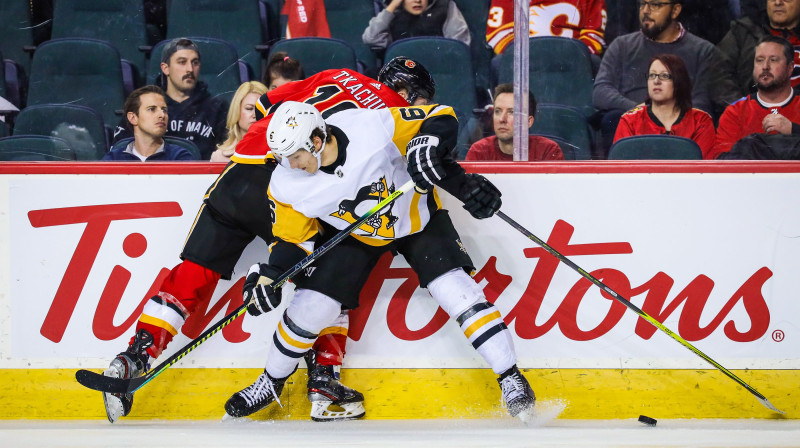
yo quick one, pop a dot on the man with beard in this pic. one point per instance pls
(782, 18)
(194, 114)
(773, 109)
(621, 82)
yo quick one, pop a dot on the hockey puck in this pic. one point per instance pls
(647, 420)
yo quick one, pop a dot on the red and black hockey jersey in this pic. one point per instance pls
(744, 117)
(329, 91)
(695, 124)
(578, 19)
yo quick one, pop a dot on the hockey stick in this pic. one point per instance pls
(103, 383)
(762, 399)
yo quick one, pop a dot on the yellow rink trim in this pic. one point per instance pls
(419, 393)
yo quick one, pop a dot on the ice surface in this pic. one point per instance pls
(502, 432)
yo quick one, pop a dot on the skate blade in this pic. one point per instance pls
(228, 418)
(113, 404)
(542, 412)
(326, 411)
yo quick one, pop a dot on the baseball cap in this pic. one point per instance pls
(179, 43)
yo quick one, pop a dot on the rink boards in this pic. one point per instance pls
(711, 249)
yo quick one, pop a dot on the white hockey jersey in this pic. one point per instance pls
(373, 168)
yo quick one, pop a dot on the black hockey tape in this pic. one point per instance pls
(647, 420)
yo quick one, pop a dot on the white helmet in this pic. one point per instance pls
(291, 126)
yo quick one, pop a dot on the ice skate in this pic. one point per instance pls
(131, 363)
(517, 393)
(330, 399)
(256, 396)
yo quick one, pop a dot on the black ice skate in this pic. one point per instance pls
(131, 363)
(255, 397)
(330, 399)
(517, 393)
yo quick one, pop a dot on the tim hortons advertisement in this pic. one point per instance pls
(714, 256)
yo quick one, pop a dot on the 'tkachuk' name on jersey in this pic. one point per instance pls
(374, 143)
(329, 91)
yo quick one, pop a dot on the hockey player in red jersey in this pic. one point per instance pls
(584, 20)
(235, 211)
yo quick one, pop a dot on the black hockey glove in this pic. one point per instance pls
(424, 164)
(257, 288)
(481, 198)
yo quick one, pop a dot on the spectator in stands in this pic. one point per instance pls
(146, 111)
(668, 107)
(193, 113)
(774, 108)
(241, 115)
(411, 18)
(708, 19)
(621, 82)
(579, 19)
(282, 69)
(501, 145)
(782, 18)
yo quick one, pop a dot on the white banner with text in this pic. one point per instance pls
(714, 256)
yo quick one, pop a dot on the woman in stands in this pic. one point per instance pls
(241, 115)
(282, 69)
(668, 107)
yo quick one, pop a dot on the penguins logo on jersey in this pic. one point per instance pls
(378, 225)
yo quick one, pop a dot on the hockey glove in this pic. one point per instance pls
(481, 198)
(424, 164)
(257, 292)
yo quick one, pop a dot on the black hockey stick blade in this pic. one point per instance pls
(103, 383)
(97, 381)
(616, 296)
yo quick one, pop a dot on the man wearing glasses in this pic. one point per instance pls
(738, 46)
(621, 82)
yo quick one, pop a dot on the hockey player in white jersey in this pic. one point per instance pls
(328, 175)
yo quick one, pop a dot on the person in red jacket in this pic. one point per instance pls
(773, 109)
(501, 145)
(235, 211)
(668, 107)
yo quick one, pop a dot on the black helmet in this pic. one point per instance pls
(404, 73)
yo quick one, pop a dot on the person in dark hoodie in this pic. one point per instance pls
(411, 18)
(781, 18)
(194, 114)
(146, 112)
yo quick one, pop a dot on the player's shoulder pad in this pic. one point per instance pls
(262, 106)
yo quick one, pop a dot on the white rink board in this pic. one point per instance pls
(696, 235)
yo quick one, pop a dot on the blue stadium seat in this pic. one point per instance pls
(24, 148)
(82, 127)
(81, 71)
(318, 53)
(236, 22)
(655, 147)
(566, 123)
(120, 22)
(560, 72)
